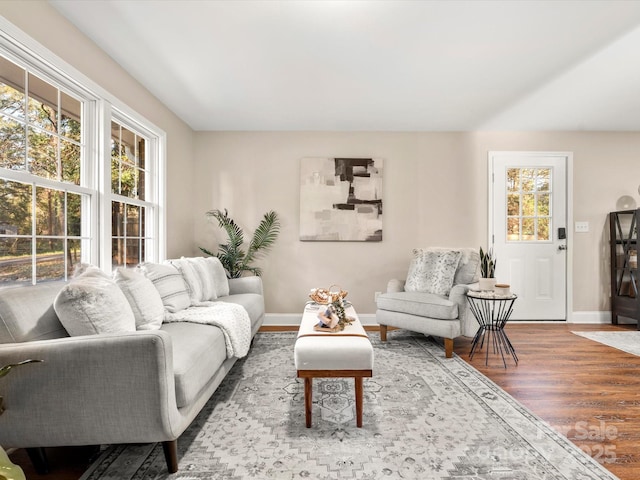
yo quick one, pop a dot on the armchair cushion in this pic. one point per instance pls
(432, 271)
(420, 304)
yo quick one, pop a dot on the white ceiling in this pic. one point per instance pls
(378, 65)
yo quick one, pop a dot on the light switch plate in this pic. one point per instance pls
(582, 227)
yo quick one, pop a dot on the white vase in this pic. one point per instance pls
(487, 284)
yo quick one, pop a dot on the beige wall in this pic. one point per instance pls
(45, 25)
(435, 194)
(435, 190)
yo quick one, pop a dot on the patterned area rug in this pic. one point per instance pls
(425, 417)
(628, 341)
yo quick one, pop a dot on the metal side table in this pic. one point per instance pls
(492, 313)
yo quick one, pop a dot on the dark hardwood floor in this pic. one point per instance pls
(585, 390)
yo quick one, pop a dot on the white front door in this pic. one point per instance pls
(528, 230)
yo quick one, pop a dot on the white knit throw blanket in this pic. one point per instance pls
(231, 318)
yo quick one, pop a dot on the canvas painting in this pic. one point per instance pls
(341, 199)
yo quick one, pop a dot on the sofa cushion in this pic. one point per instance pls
(206, 277)
(198, 352)
(219, 276)
(191, 278)
(144, 299)
(91, 304)
(432, 271)
(170, 285)
(420, 304)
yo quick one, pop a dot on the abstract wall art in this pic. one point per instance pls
(341, 199)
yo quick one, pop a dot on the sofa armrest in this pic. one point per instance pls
(395, 285)
(251, 284)
(458, 294)
(110, 388)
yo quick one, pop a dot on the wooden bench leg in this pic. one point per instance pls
(308, 400)
(383, 333)
(171, 455)
(359, 397)
(448, 347)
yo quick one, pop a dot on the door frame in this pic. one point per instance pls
(568, 156)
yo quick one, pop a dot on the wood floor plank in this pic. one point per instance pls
(587, 391)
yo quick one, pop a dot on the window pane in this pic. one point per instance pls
(128, 180)
(74, 214)
(12, 96)
(12, 144)
(513, 179)
(544, 177)
(513, 229)
(528, 205)
(43, 104)
(70, 162)
(49, 212)
(133, 252)
(49, 259)
(543, 229)
(513, 204)
(527, 178)
(543, 204)
(117, 252)
(42, 154)
(15, 217)
(133, 221)
(117, 219)
(74, 256)
(70, 124)
(15, 260)
(528, 229)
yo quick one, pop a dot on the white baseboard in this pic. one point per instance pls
(590, 317)
(288, 319)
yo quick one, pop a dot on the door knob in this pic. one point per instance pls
(562, 247)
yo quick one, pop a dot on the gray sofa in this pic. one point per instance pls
(137, 387)
(437, 303)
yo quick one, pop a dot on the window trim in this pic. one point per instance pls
(100, 105)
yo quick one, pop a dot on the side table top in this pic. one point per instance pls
(490, 295)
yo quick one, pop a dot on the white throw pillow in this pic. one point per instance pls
(220, 279)
(432, 271)
(144, 299)
(92, 303)
(169, 284)
(206, 278)
(191, 278)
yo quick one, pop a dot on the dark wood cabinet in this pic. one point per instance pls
(623, 228)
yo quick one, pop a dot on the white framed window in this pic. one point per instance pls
(81, 175)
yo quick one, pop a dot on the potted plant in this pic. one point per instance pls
(487, 270)
(234, 259)
(9, 470)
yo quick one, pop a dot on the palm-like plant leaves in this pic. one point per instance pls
(233, 258)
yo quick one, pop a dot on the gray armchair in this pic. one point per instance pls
(433, 300)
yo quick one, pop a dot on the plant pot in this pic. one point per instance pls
(487, 284)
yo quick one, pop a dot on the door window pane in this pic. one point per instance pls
(529, 198)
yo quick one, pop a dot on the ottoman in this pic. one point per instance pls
(347, 353)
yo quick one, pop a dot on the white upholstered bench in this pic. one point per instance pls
(348, 353)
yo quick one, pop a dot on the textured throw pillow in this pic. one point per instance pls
(143, 298)
(432, 271)
(220, 279)
(206, 278)
(92, 303)
(469, 267)
(191, 278)
(169, 284)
